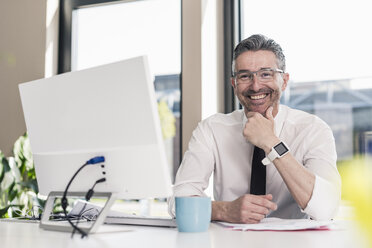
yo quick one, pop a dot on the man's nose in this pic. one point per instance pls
(255, 84)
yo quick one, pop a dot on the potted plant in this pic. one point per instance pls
(18, 186)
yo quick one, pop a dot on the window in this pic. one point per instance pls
(327, 49)
(96, 32)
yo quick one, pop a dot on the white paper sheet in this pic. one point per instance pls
(277, 224)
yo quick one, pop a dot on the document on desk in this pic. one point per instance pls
(277, 224)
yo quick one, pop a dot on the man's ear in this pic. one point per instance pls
(233, 84)
(232, 79)
(285, 81)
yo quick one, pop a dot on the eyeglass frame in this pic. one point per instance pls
(251, 73)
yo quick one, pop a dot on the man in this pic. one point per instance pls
(300, 178)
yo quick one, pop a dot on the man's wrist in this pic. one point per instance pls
(218, 209)
(277, 151)
(270, 144)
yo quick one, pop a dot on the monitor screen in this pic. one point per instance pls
(108, 111)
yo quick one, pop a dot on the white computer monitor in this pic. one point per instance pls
(108, 111)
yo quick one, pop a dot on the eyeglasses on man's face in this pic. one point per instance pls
(263, 75)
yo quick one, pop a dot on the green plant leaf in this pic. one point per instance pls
(40, 202)
(7, 181)
(5, 168)
(30, 184)
(13, 192)
(4, 212)
(22, 192)
(5, 163)
(2, 172)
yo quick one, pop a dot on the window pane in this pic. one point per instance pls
(326, 44)
(113, 32)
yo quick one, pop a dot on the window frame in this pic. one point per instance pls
(232, 29)
(65, 47)
(65, 28)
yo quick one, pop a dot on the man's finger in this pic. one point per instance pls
(259, 209)
(268, 196)
(262, 201)
(256, 216)
(251, 114)
(269, 113)
(250, 221)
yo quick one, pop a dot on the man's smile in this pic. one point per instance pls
(258, 97)
(259, 100)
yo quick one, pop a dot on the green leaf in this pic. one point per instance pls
(13, 192)
(34, 186)
(30, 184)
(4, 212)
(2, 173)
(5, 163)
(7, 181)
(40, 202)
(5, 168)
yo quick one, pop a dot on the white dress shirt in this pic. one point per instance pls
(218, 146)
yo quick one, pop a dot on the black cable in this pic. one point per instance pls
(64, 201)
(88, 195)
(91, 192)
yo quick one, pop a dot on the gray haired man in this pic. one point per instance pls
(267, 159)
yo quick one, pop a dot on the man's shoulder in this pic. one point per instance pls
(301, 118)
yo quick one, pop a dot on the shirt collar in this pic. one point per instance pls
(278, 119)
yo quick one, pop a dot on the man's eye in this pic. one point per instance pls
(266, 75)
(243, 77)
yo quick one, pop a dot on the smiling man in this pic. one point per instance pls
(267, 159)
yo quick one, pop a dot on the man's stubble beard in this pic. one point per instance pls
(249, 107)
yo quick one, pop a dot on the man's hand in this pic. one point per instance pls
(259, 130)
(246, 209)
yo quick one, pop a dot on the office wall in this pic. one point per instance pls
(24, 37)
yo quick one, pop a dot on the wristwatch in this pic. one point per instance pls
(277, 151)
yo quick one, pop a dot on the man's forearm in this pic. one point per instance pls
(299, 180)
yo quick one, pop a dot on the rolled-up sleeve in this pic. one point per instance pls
(321, 160)
(325, 200)
(197, 166)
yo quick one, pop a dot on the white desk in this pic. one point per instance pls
(23, 235)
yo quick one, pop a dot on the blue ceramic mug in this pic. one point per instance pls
(193, 214)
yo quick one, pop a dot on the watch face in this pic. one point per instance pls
(281, 149)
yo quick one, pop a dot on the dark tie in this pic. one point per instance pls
(258, 176)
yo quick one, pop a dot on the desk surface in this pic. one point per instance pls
(18, 234)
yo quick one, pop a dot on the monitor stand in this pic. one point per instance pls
(48, 224)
